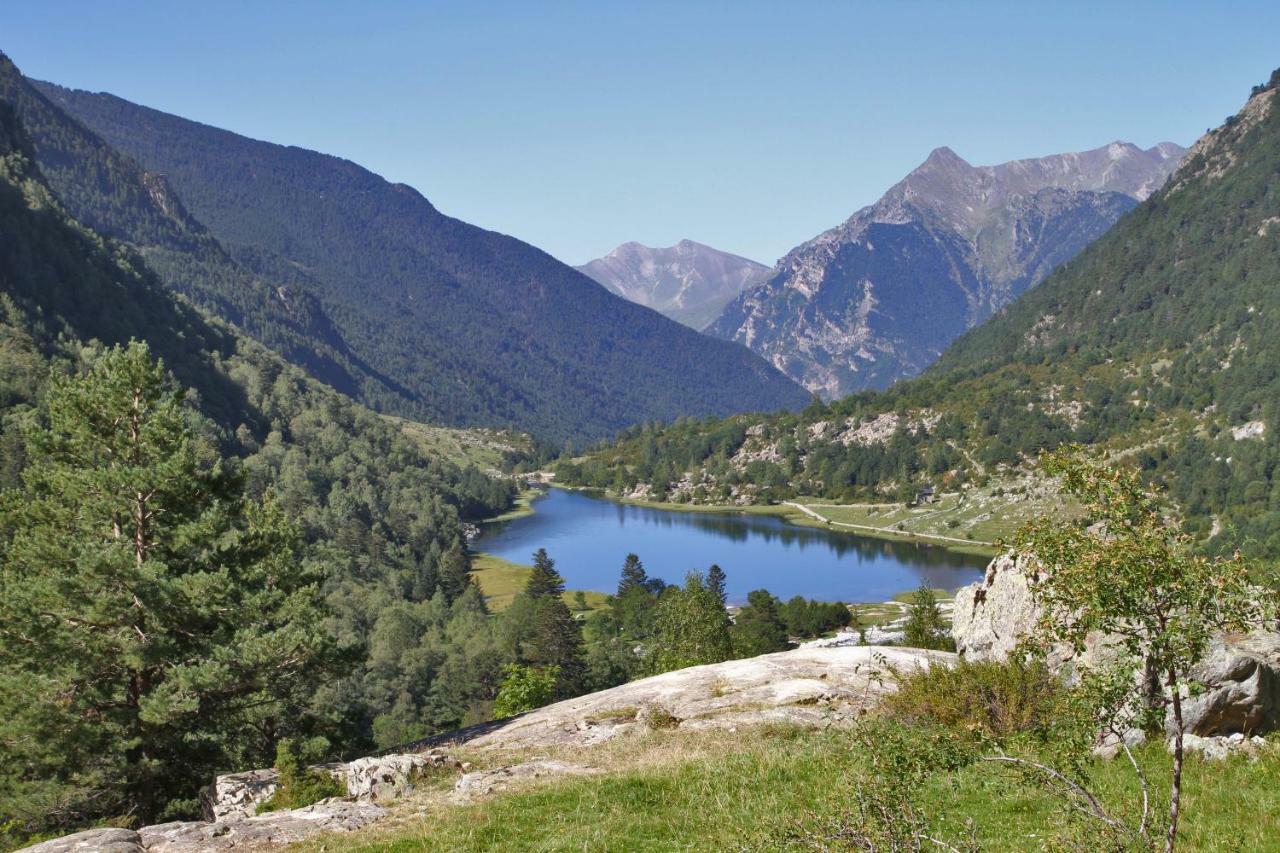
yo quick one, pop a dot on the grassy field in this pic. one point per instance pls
(523, 506)
(726, 791)
(501, 581)
(483, 448)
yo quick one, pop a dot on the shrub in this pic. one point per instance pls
(525, 688)
(994, 699)
(300, 785)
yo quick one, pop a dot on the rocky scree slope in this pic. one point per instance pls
(879, 297)
(460, 325)
(689, 282)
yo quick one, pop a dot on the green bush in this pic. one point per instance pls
(994, 699)
(299, 785)
(525, 688)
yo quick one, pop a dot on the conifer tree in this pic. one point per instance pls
(758, 628)
(633, 575)
(155, 626)
(545, 582)
(925, 628)
(716, 583)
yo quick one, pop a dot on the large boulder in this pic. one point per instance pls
(237, 795)
(93, 841)
(1236, 685)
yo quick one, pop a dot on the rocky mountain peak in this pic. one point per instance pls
(689, 282)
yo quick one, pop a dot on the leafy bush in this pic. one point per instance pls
(995, 699)
(300, 785)
(525, 688)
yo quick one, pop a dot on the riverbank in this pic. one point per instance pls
(502, 580)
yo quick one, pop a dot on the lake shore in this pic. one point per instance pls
(810, 515)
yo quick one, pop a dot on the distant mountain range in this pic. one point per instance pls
(689, 282)
(370, 288)
(880, 297)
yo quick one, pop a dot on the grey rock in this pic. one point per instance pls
(809, 687)
(92, 841)
(689, 282)
(1219, 748)
(1239, 681)
(389, 777)
(879, 297)
(238, 795)
(485, 782)
(274, 828)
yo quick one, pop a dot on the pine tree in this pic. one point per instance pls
(545, 582)
(716, 583)
(155, 626)
(633, 575)
(758, 628)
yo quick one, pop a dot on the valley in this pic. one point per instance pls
(333, 520)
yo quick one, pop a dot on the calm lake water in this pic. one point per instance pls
(589, 537)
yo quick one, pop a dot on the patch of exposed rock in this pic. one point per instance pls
(482, 783)
(808, 687)
(1237, 681)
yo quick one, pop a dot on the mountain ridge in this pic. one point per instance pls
(454, 324)
(961, 240)
(690, 282)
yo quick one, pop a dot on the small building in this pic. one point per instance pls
(925, 495)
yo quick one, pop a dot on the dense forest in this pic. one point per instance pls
(373, 290)
(1154, 343)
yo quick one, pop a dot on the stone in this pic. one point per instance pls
(282, 827)
(92, 841)
(238, 795)
(485, 782)
(812, 687)
(1220, 748)
(1239, 686)
(1237, 682)
(389, 777)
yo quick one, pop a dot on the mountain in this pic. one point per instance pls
(689, 282)
(878, 298)
(1155, 345)
(447, 322)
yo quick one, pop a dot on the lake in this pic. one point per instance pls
(589, 537)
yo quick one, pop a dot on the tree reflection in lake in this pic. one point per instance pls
(589, 537)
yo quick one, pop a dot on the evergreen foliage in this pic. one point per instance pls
(758, 628)
(691, 626)
(925, 627)
(299, 785)
(155, 625)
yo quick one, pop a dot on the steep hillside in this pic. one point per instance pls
(1154, 344)
(380, 517)
(880, 297)
(461, 325)
(689, 282)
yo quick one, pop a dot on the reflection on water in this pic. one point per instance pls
(589, 536)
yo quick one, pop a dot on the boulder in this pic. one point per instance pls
(238, 795)
(389, 777)
(1219, 748)
(273, 828)
(1237, 687)
(1237, 684)
(92, 841)
(485, 782)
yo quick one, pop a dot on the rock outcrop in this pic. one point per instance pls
(809, 687)
(1237, 682)
(879, 297)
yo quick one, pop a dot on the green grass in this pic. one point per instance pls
(770, 783)
(523, 506)
(483, 448)
(501, 581)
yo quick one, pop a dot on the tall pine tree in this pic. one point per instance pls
(155, 626)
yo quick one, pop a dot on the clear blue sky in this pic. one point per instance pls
(748, 126)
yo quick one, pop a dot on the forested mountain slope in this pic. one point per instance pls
(1156, 341)
(459, 325)
(879, 297)
(380, 520)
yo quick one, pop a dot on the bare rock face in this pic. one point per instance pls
(234, 796)
(93, 841)
(1237, 682)
(283, 827)
(809, 687)
(389, 777)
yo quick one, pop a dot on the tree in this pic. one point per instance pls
(633, 575)
(545, 581)
(1126, 571)
(716, 583)
(925, 628)
(692, 627)
(155, 625)
(758, 628)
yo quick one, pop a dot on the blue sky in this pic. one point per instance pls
(747, 126)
